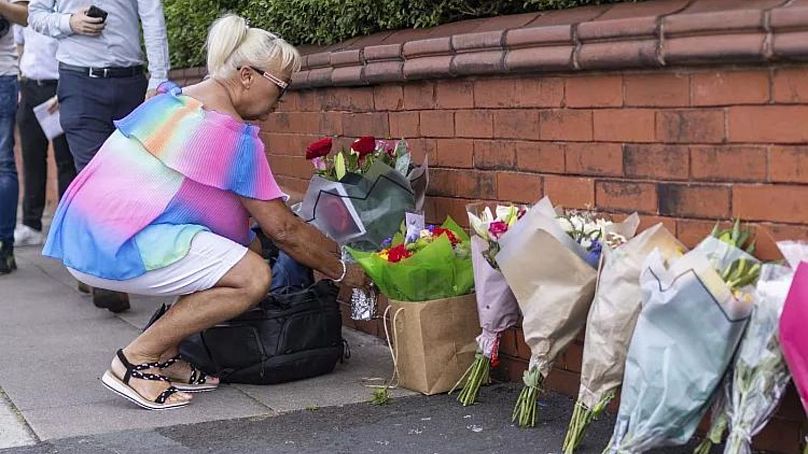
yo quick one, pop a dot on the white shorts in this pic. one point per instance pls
(211, 256)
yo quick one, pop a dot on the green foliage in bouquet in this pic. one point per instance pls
(435, 265)
(741, 272)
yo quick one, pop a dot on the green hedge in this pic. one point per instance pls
(330, 21)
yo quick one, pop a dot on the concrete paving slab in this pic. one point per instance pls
(116, 414)
(346, 385)
(13, 430)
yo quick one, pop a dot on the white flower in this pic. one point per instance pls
(565, 224)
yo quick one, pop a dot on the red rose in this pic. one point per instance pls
(364, 146)
(438, 231)
(497, 228)
(398, 253)
(319, 149)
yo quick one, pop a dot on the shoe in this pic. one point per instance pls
(115, 302)
(26, 236)
(7, 262)
(125, 390)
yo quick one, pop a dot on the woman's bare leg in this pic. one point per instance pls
(239, 290)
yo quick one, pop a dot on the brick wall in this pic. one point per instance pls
(686, 111)
(684, 147)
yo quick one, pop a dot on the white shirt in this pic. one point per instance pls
(38, 59)
(8, 53)
(119, 43)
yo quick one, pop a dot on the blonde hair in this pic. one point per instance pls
(233, 44)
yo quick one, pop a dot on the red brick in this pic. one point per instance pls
(404, 124)
(507, 343)
(283, 144)
(358, 99)
(419, 95)
(474, 123)
(521, 345)
(388, 97)
(666, 162)
(564, 124)
(331, 123)
(540, 157)
(594, 159)
(690, 126)
(516, 124)
(775, 203)
(438, 123)
(626, 196)
(649, 220)
(471, 184)
(691, 231)
(788, 164)
(366, 124)
(722, 88)
(457, 94)
(768, 124)
(438, 208)
(570, 192)
(562, 381)
(728, 163)
(494, 155)
(571, 357)
(421, 148)
(519, 187)
(594, 91)
(293, 166)
(657, 90)
(623, 125)
(312, 101)
(291, 184)
(694, 201)
(790, 85)
(457, 153)
(518, 92)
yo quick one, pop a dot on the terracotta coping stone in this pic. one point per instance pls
(656, 33)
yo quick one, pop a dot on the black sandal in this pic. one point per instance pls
(197, 383)
(122, 387)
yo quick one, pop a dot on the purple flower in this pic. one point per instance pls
(593, 256)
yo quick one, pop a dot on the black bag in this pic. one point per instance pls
(285, 338)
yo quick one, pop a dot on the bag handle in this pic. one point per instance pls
(391, 347)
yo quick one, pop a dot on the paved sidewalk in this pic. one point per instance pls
(54, 346)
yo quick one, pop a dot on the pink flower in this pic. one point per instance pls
(388, 146)
(319, 163)
(497, 229)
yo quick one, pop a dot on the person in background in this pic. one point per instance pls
(101, 73)
(11, 12)
(39, 75)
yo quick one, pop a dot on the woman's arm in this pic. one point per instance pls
(301, 241)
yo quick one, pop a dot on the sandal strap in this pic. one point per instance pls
(133, 371)
(161, 399)
(169, 362)
(197, 377)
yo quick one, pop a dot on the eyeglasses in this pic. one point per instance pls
(275, 80)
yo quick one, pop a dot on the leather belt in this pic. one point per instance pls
(103, 73)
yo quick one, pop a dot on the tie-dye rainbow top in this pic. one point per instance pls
(170, 170)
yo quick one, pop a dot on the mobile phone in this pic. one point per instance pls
(95, 11)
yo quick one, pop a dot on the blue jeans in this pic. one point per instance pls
(9, 185)
(289, 276)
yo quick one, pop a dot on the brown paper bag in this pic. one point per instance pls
(434, 341)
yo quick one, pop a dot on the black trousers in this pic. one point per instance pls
(88, 106)
(35, 153)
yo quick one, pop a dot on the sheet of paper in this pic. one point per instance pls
(48, 121)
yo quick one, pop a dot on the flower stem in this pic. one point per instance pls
(524, 413)
(582, 416)
(478, 375)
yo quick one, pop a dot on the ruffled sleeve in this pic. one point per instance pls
(208, 147)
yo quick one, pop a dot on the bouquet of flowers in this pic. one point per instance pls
(548, 260)
(496, 304)
(793, 336)
(430, 263)
(611, 320)
(676, 360)
(359, 196)
(760, 375)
